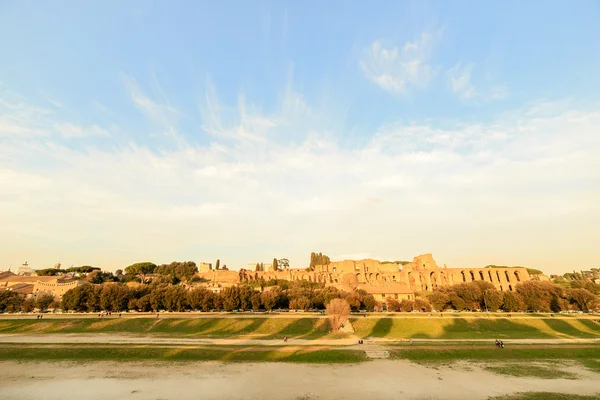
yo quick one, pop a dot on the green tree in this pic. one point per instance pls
(141, 270)
(43, 301)
(275, 266)
(583, 298)
(218, 264)
(439, 300)
(493, 299)
(28, 305)
(512, 302)
(255, 299)
(269, 298)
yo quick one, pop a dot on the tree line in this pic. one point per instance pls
(162, 295)
(527, 296)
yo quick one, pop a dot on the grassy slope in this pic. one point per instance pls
(313, 328)
(586, 356)
(265, 328)
(121, 353)
(482, 328)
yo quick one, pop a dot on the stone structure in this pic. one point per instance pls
(33, 286)
(382, 279)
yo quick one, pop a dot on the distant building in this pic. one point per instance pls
(25, 269)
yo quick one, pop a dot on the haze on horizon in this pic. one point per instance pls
(244, 131)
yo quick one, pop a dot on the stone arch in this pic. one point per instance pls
(510, 287)
(481, 276)
(517, 276)
(501, 288)
(433, 279)
(472, 275)
(490, 275)
(507, 276)
(498, 276)
(463, 276)
(377, 277)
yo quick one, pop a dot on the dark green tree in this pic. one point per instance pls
(43, 301)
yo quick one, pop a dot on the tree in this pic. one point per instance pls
(231, 298)
(300, 303)
(257, 267)
(275, 266)
(255, 299)
(141, 270)
(218, 264)
(512, 302)
(439, 300)
(43, 301)
(338, 311)
(28, 305)
(493, 299)
(318, 259)
(392, 304)
(269, 298)
(583, 298)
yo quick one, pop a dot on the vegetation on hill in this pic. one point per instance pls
(531, 295)
(162, 295)
(318, 259)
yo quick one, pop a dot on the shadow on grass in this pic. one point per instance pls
(382, 328)
(303, 328)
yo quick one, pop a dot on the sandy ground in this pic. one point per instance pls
(380, 379)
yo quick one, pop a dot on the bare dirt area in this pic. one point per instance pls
(380, 379)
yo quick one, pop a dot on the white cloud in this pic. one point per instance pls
(399, 70)
(69, 130)
(460, 81)
(528, 177)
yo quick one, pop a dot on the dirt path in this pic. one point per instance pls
(378, 379)
(115, 339)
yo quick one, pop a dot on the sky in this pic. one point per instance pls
(247, 130)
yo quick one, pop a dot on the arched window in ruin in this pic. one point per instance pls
(394, 278)
(490, 275)
(463, 276)
(498, 276)
(481, 276)
(501, 288)
(517, 276)
(507, 276)
(433, 279)
(472, 275)
(510, 287)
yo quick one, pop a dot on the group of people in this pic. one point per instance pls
(499, 343)
(108, 313)
(40, 316)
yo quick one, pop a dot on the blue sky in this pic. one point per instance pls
(251, 130)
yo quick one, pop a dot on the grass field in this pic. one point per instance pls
(481, 328)
(264, 328)
(314, 328)
(122, 353)
(495, 354)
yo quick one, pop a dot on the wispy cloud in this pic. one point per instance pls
(399, 69)
(404, 177)
(69, 130)
(460, 81)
